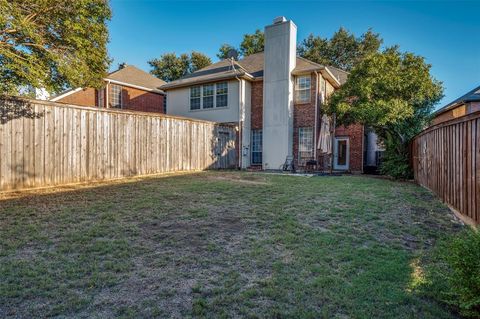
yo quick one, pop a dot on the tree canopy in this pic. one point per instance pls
(170, 67)
(53, 44)
(394, 93)
(251, 44)
(343, 50)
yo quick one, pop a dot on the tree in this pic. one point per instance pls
(198, 61)
(252, 43)
(223, 51)
(170, 67)
(53, 44)
(394, 93)
(343, 50)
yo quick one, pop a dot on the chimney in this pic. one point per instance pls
(279, 62)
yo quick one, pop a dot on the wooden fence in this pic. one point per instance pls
(446, 160)
(43, 143)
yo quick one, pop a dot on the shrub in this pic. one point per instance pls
(453, 277)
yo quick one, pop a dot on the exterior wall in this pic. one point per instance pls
(304, 116)
(354, 133)
(279, 62)
(179, 104)
(459, 111)
(84, 97)
(246, 102)
(257, 105)
(139, 100)
(132, 99)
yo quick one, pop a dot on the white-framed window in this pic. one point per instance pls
(305, 144)
(257, 141)
(222, 94)
(302, 89)
(195, 97)
(116, 96)
(101, 97)
(208, 96)
(208, 91)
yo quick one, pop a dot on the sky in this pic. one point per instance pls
(446, 33)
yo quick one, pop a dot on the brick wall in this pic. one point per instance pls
(354, 133)
(257, 105)
(132, 99)
(84, 97)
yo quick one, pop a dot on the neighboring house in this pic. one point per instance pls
(127, 88)
(275, 98)
(464, 105)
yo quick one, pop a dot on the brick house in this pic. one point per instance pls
(127, 88)
(275, 99)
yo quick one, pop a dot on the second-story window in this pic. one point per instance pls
(208, 96)
(302, 89)
(116, 96)
(195, 97)
(222, 94)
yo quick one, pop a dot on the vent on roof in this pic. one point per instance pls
(278, 20)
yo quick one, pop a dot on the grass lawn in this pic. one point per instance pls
(221, 244)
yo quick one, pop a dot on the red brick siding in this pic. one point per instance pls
(84, 97)
(257, 105)
(140, 100)
(303, 116)
(355, 134)
(132, 99)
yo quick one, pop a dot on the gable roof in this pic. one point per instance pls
(472, 96)
(128, 76)
(134, 76)
(250, 67)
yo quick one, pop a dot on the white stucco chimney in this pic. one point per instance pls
(280, 60)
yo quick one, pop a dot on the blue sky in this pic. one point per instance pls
(446, 33)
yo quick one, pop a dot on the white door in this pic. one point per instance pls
(341, 153)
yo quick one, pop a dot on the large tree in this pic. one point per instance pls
(170, 67)
(52, 44)
(343, 50)
(251, 43)
(394, 93)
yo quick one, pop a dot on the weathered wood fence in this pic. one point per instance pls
(446, 160)
(43, 143)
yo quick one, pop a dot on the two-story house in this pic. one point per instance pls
(126, 88)
(275, 98)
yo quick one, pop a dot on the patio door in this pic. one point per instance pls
(341, 153)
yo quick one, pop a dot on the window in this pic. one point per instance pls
(195, 98)
(256, 146)
(302, 89)
(222, 94)
(208, 96)
(165, 103)
(101, 97)
(305, 144)
(116, 96)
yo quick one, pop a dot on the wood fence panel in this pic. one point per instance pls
(446, 160)
(62, 144)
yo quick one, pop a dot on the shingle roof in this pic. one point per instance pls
(133, 75)
(472, 96)
(251, 65)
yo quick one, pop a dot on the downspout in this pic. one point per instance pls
(240, 130)
(316, 117)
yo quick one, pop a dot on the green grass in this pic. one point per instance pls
(221, 244)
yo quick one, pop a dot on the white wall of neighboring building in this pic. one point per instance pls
(246, 100)
(280, 60)
(178, 103)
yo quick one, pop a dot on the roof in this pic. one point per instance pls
(250, 67)
(134, 76)
(472, 96)
(128, 76)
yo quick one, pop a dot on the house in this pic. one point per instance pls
(464, 105)
(275, 99)
(126, 88)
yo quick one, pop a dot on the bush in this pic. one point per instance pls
(453, 277)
